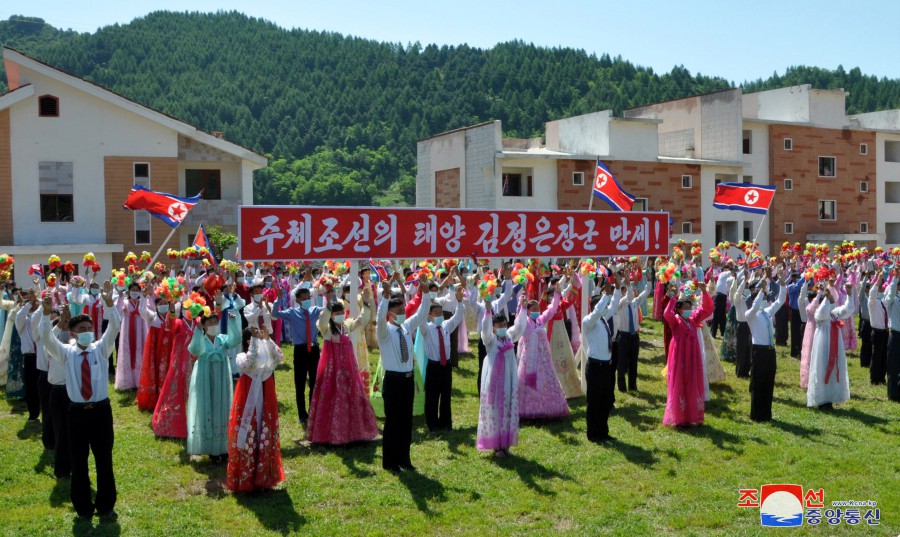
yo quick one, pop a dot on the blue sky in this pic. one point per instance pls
(736, 40)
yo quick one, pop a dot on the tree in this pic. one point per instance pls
(220, 240)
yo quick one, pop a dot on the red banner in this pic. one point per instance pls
(279, 233)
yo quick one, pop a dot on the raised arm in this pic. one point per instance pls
(487, 328)
(551, 310)
(597, 313)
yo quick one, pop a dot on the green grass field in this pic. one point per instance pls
(651, 481)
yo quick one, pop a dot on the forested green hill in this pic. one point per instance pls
(340, 115)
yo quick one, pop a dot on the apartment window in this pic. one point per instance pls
(891, 151)
(578, 178)
(687, 228)
(788, 228)
(141, 176)
(56, 191)
(687, 181)
(827, 167)
(48, 106)
(640, 205)
(827, 210)
(788, 144)
(717, 182)
(517, 185)
(863, 227)
(748, 179)
(748, 145)
(789, 184)
(207, 183)
(863, 149)
(864, 186)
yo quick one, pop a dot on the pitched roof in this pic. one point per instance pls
(105, 94)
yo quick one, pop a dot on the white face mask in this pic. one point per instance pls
(95, 291)
(432, 295)
(686, 313)
(338, 319)
(747, 293)
(257, 298)
(84, 339)
(240, 279)
(163, 309)
(135, 294)
(213, 330)
(399, 318)
(501, 332)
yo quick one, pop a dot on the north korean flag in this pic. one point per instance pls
(608, 189)
(202, 241)
(170, 209)
(744, 197)
(379, 270)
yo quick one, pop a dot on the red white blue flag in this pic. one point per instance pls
(202, 241)
(379, 270)
(170, 209)
(607, 188)
(744, 197)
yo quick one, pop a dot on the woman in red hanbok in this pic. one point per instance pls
(254, 448)
(340, 411)
(170, 414)
(684, 366)
(157, 350)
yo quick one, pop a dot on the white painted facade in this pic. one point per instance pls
(94, 123)
(603, 135)
(543, 173)
(887, 191)
(756, 164)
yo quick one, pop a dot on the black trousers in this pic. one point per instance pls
(743, 357)
(112, 364)
(398, 391)
(878, 365)
(43, 389)
(454, 342)
(59, 417)
(91, 430)
(438, 383)
(797, 329)
(600, 391)
(893, 366)
(719, 314)
(865, 348)
(32, 398)
(762, 383)
(611, 382)
(782, 316)
(305, 365)
(628, 360)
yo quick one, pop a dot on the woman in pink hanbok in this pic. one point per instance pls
(540, 393)
(170, 414)
(684, 366)
(808, 336)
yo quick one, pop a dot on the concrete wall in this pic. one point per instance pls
(758, 160)
(435, 154)
(720, 126)
(633, 140)
(87, 130)
(481, 173)
(6, 190)
(680, 127)
(588, 134)
(888, 173)
(827, 108)
(544, 184)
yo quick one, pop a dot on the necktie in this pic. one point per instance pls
(608, 334)
(630, 319)
(404, 350)
(86, 389)
(441, 343)
(308, 332)
(884, 310)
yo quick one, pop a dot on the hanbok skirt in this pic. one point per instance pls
(258, 464)
(498, 415)
(564, 361)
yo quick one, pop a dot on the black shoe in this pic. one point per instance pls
(109, 515)
(408, 468)
(392, 469)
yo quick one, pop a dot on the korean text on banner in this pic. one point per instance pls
(273, 233)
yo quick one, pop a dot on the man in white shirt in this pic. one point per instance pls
(90, 415)
(43, 387)
(438, 335)
(878, 320)
(394, 331)
(762, 370)
(596, 335)
(892, 305)
(723, 285)
(446, 297)
(628, 335)
(29, 352)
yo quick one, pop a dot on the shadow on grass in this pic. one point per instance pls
(44, 461)
(862, 417)
(636, 416)
(214, 472)
(30, 429)
(465, 372)
(126, 398)
(532, 473)
(354, 456)
(106, 527)
(721, 439)
(635, 454)
(274, 509)
(423, 490)
(795, 429)
(16, 406)
(61, 493)
(463, 436)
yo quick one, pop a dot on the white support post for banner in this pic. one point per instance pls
(354, 304)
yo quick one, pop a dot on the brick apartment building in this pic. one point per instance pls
(837, 177)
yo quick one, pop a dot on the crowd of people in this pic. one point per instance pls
(200, 348)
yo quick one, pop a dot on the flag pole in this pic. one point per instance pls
(591, 191)
(163, 245)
